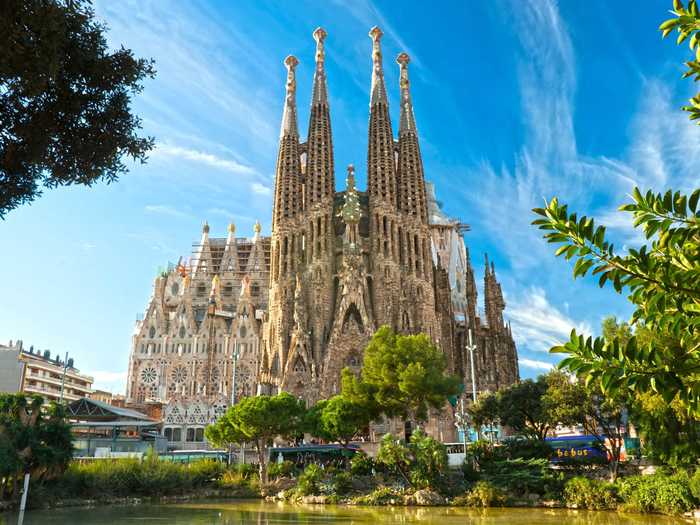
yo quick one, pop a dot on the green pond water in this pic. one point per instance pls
(263, 513)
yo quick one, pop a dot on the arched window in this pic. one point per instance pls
(152, 332)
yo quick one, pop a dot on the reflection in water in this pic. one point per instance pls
(262, 513)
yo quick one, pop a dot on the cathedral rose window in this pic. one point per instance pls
(179, 374)
(149, 375)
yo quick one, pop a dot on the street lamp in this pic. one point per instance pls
(63, 378)
(471, 347)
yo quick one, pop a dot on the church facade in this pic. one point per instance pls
(288, 312)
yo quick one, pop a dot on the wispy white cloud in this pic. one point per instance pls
(665, 146)
(535, 364)
(165, 209)
(539, 325)
(260, 189)
(202, 157)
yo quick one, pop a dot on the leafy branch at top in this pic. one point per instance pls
(663, 281)
(687, 23)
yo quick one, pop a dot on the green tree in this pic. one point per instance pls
(342, 418)
(605, 418)
(670, 434)
(259, 420)
(522, 408)
(421, 462)
(687, 24)
(65, 115)
(402, 376)
(33, 439)
(663, 281)
(485, 411)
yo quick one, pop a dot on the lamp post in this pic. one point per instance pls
(63, 378)
(471, 347)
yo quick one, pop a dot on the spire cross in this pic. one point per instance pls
(402, 60)
(350, 182)
(291, 62)
(320, 35)
(376, 34)
(378, 94)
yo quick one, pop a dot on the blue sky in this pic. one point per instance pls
(515, 101)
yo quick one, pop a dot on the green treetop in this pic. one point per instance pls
(402, 376)
(259, 420)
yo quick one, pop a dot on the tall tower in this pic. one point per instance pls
(285, 250)
(318, 235)
(381, 188)
(493, 299)
(413, 232)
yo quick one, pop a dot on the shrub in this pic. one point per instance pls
(245, 470)
(361, 464)
(585, 493)
(524, 476)
(205, 471)
(523, 449)
(657, 493)
(286, 469)
(695, 485)
(430, 461)
(380, 496)
(310, 481)
(341, 483)
(483, 494)
(469, 473)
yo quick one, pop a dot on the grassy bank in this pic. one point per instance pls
(107, 481)
(496, 482)
(503, 483)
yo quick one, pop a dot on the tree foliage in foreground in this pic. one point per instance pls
(259, 420)
(402, 376)
(687, 24)
(65, 115)
(662, 279)
(669, 433)
(31, 440)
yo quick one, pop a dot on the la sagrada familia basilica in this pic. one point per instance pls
(259, 315)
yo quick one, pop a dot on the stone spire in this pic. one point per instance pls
(378, 92)
(288, 171)
(493, 298)
(289, 115)
(229, 260)
(320, 92)
(320, 183)
(203, 259)
(407, 122)
(381, 174)
(410, 179)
